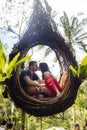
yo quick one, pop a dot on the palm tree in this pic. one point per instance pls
(74, 34)
(74, 31)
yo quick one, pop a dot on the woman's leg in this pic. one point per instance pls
(64, 79)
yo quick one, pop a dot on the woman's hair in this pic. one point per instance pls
(44, 67)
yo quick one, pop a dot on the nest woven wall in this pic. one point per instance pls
(42, 30)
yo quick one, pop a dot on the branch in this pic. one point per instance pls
(10, 30)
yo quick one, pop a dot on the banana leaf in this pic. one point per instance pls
(84, 61)
(7, 68)
(2, 58)
(14, 63)
(73, 71)
(11, 65)
(81, 72)
(22, 60)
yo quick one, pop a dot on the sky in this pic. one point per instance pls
(70, 6)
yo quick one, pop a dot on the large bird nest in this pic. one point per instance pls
(42, 30)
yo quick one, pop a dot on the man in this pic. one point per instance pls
(28, 79)
(77, 127)
(10, 126)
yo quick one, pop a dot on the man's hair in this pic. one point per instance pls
(31, 63)
(9, 125)
(76, 125)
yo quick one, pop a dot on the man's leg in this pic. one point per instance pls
(33, 90)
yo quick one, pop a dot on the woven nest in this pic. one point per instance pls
(42, 30)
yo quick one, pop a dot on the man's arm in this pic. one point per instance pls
(32, 83)
(40, 81)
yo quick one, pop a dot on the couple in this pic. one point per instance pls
(33, 85)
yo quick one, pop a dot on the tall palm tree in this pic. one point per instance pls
(74, 31)
(74, 34)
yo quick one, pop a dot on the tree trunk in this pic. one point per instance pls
(73, 114)
(23, 120)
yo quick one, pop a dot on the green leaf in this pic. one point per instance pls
(22, 60)
(82, 71)
(6, 68)
(1, 71)
(82, 68)
(2, 78)
(2, 58)
(79, 71)
(84, 61)
(12, 64)
(73, 70)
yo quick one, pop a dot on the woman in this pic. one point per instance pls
(51, 83)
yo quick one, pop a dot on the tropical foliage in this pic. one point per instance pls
(73, 30)
(6, 67)
(69, 117)
(81, 71)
